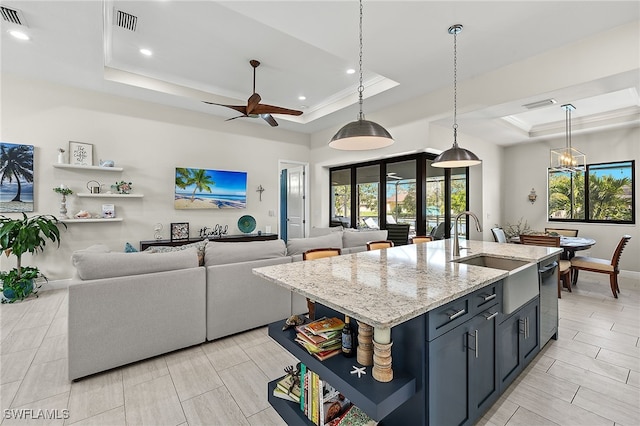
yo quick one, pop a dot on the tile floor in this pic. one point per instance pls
(590, 376)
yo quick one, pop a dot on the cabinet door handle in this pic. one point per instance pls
(475, 337)
(488, 297)
(457, 314)
(489, 316)
(526, 327)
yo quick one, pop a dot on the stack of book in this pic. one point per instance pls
(321, 338)
(288, 388)
(319, 401)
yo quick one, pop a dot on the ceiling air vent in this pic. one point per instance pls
(12, 15)
(540, 104)
(126, 20)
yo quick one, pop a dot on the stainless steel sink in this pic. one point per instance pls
(493, 262)
(519, 287)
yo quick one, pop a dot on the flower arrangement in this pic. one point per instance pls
(124, 187)
(513, 230)
(63, 190)
(61, 150)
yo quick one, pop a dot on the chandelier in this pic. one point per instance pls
(568, 159)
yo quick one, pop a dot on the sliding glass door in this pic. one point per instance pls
(400, 190)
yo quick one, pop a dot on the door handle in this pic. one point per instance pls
(457, 314)
(488, 297)
(475, 337)
(489, 316)
(526, 327)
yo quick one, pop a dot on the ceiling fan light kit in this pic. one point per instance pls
(254, 109)
(455, 156)
(361, 134)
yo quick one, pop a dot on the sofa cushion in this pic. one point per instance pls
(300, 245)
(218, 253)
(200, 246)
(92, 265)
(361, 238)
(318, 232)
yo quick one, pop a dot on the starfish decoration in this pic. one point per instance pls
(359, 371)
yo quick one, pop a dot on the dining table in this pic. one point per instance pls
(569, 244)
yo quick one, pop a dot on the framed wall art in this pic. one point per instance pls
(210, 189)
(179, 231)
(16, 178)
(80, 153)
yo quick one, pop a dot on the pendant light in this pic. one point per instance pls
(455, 156)
(568, 159)
(361, 134)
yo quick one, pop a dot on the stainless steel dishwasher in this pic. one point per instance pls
(548, 279)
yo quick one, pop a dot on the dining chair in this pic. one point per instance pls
(420, 239)
(564, 266)
(602, 266)
(398, 233)
(313, 254)
(498, 235)
(438, 231)
(377, 245)
(561, 231)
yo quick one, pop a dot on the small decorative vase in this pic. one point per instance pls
(63, 208)
(61, 159)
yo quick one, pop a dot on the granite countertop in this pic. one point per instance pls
(387, 287)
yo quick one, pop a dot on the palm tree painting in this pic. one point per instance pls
(210, 189)
(16, 178)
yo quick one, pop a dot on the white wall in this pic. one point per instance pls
(148, 141)
(525, 167)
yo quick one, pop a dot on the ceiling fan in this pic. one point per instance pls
(254, 108)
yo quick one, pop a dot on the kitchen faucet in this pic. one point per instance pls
(456, 243)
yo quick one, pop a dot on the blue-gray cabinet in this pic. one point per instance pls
(462, 379)
(518, 341)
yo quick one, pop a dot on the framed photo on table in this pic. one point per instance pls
(179, 231)
(80, 153)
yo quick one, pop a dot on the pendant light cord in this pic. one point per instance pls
(361, 86)
(455, 30)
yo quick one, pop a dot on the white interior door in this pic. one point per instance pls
(295, 202)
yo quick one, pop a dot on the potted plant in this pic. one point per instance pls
(19, 236)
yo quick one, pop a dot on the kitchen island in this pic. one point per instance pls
(437, 306)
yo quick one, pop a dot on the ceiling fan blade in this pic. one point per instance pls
(270, 109)
(240, 108)
(233, 118)
(269, 119)
(253, 101)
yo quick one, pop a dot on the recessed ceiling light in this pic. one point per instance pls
(146, 52)
(351, 71)
(302, 98)
(19, 35)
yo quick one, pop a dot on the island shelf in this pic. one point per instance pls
(375, 398)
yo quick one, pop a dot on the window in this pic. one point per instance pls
(401, 194)
(341, 198)
(603, 193)
(368, 196)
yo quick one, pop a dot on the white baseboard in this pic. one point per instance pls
(630, 274)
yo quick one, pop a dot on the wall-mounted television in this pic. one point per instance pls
(210, 189)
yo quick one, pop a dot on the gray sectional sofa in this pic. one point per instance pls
(126, 307)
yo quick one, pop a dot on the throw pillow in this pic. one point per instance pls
(128, 248)
(199, 245)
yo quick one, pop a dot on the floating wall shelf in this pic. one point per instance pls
(115, 219)
(77, 167)
(84, 194)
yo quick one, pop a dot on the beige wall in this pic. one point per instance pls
(148, 141)
(525, 167)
